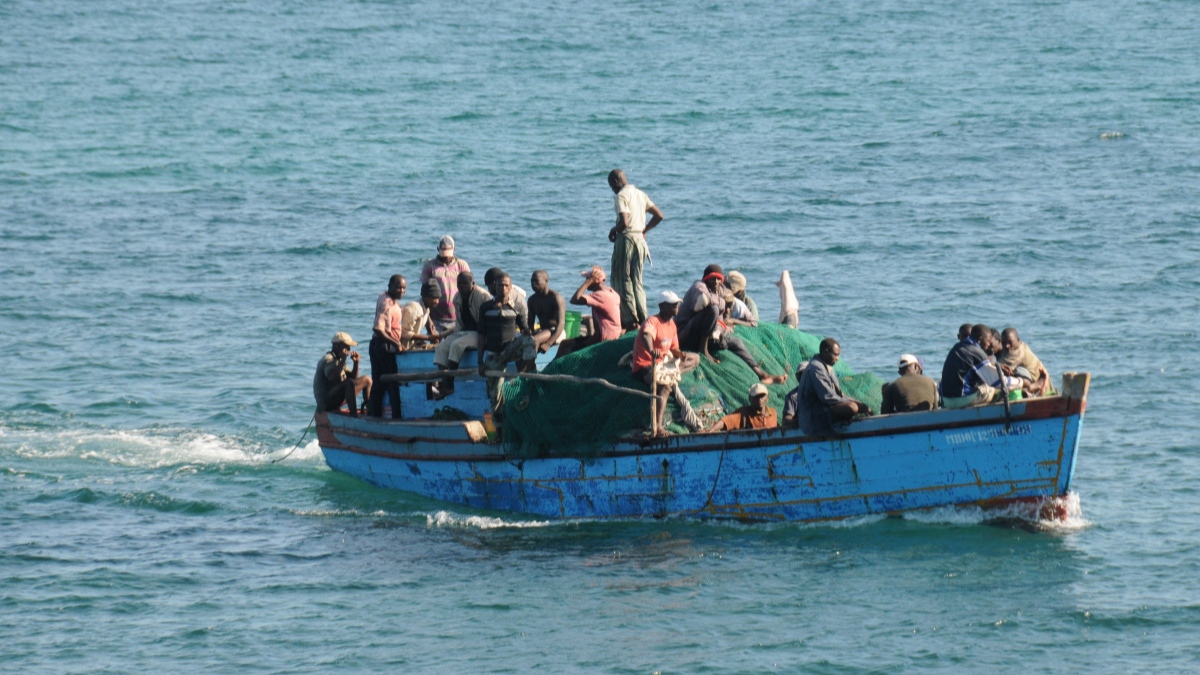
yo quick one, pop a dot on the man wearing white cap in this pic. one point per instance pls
(444, 269)
(656, 340)
(334, 383)
(754, 415)
(913, 391)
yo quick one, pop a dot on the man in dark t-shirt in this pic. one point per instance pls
(913, 391)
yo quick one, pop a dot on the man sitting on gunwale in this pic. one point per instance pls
(503, 336)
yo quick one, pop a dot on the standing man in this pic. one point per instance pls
(549, 309)
(656, 340)
(444, 269)
(385, 344)
(628, 236)
(334, 383)
(821, 402)
(503, 337)
(450, 350)
(911, 392)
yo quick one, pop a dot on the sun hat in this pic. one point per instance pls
(736, 281)
(341, 338)
(668, 298)
(758, 389)
(908, 360)
(446, 245)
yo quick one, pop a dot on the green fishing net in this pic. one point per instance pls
(572, 418)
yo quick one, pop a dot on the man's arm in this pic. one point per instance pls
(656, 217)
(561, 308)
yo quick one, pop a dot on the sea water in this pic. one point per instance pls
(195, 195)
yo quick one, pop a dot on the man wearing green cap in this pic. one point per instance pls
(334, 383)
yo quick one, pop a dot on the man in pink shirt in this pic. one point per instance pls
(385, 344)
(444, 269)
(606, 312)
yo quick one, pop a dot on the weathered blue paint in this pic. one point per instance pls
(880, 465)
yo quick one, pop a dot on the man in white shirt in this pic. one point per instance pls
(629, 256)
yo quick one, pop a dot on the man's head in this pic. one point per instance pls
(910, 364)
(829, 352)
(431, 294)
(993, 341)
(980, 333)
(465, 282)
(446, 248)
(597, 275)
(489, 278)
(502, 286)
(342, 342)
(713, 277)
(668, 305)
(396, 286)
(758, 396)
(964, 330)
(617, 180)
(540, 281)
(736, 281)
(1009, 339)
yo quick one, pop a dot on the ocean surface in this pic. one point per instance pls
(195, 194)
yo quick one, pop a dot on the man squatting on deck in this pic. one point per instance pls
(334, 383)
(629, 255)
(465, 334)
(503, 337)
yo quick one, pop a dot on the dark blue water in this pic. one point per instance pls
(196, 195)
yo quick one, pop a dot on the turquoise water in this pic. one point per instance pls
(196, 195)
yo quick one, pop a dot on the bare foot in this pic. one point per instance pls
(773, 379)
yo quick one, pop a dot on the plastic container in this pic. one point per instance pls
(571, 324)
(489, 427)
(1016, 395)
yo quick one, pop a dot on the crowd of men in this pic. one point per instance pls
(505, 325)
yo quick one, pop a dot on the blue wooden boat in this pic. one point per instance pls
(1020, 456)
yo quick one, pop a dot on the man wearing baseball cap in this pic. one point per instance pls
(444, 269)
(754, 415)
(656, 340)
(913, 391)
(334, 383)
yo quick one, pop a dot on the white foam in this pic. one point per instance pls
(153, 448)
(447, 519)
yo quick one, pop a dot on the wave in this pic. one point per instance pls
(184, 449)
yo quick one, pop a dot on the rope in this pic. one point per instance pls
(310, 421)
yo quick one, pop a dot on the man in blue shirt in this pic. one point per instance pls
(966, 379)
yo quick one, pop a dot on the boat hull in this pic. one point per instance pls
(980, 456)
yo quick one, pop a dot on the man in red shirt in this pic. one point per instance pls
(606, 312)
(656, 340)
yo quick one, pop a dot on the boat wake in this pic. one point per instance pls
(153, 448)
(446, 519)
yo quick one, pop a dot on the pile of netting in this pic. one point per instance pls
(572, 418)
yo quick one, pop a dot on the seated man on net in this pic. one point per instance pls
(604, 323)
(701, 329)
(334, 383)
